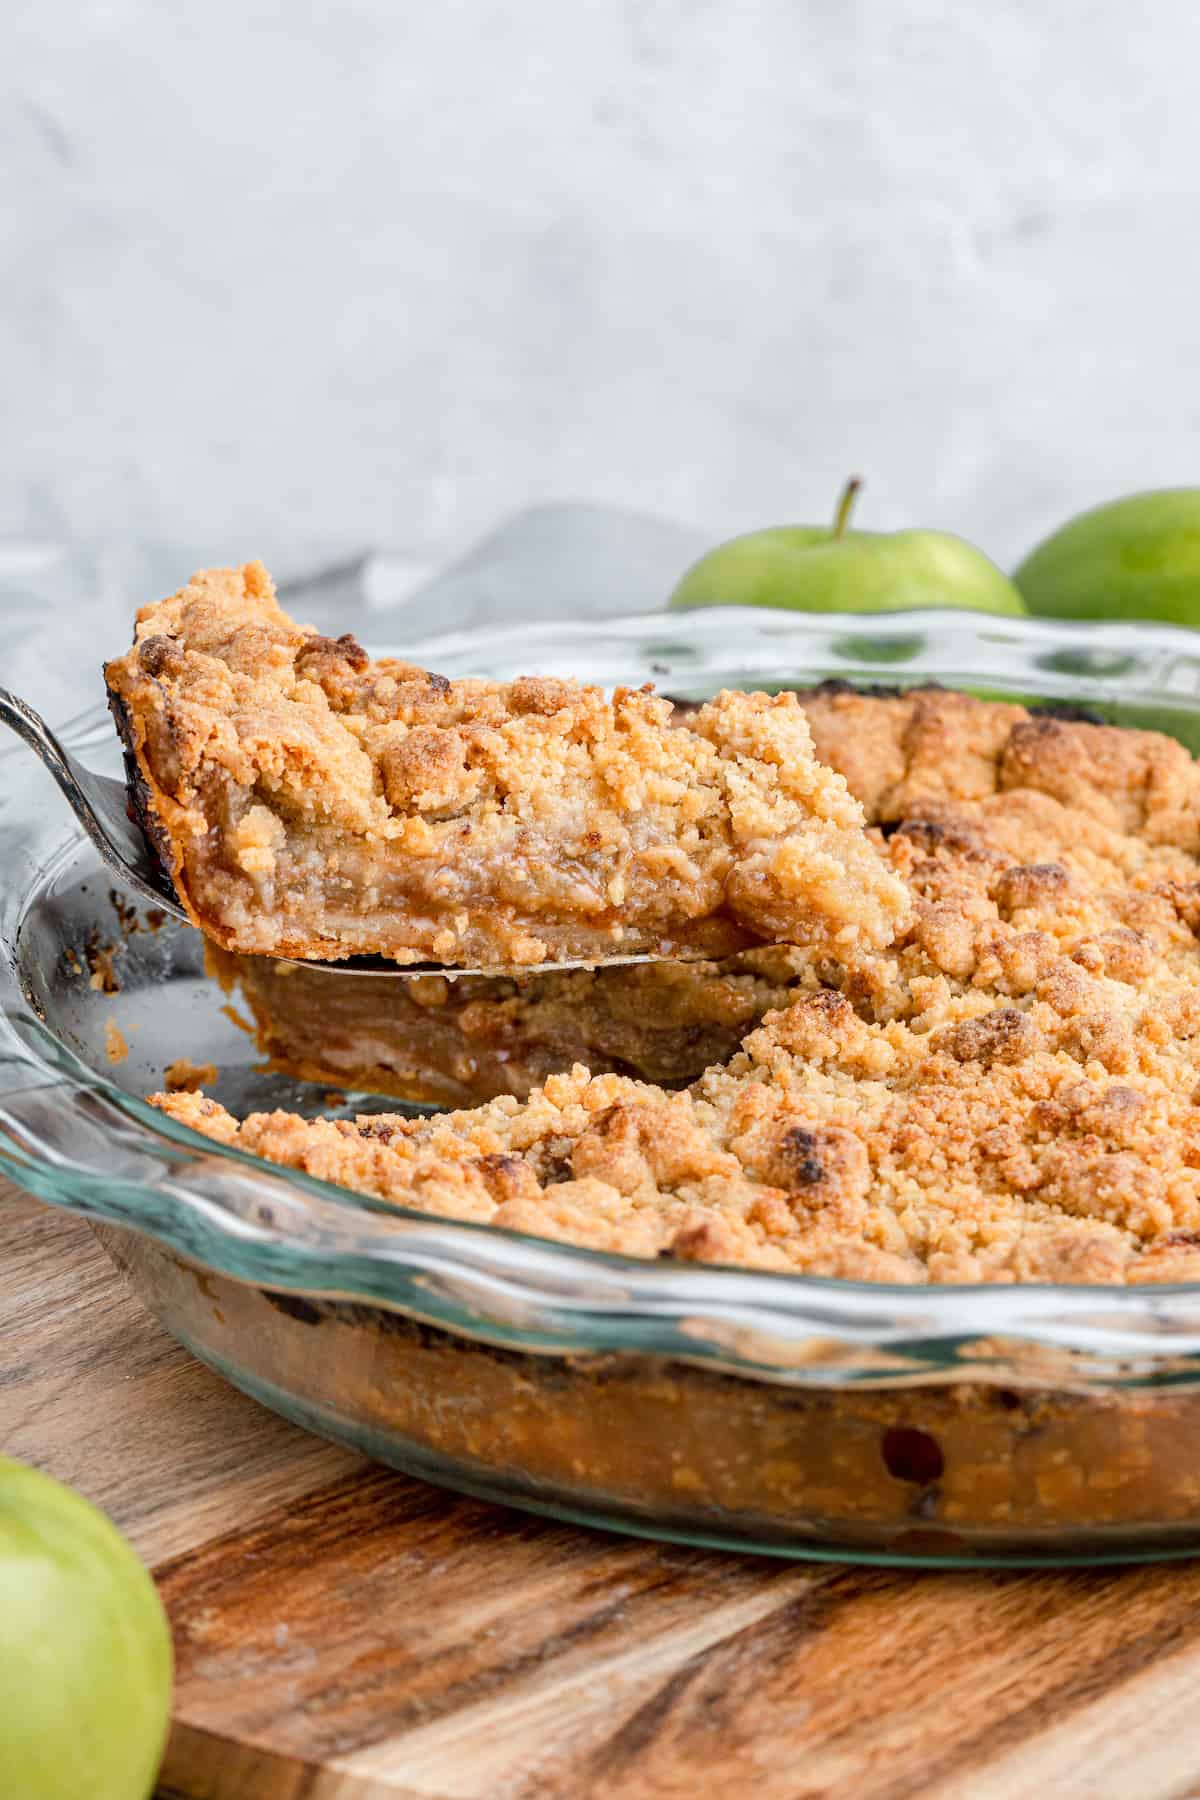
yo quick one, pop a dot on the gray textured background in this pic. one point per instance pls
(286, 280)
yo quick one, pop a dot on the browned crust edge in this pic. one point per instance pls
(141, 804)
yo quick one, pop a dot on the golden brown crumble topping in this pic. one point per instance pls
(1010, 1092)
(312, 803)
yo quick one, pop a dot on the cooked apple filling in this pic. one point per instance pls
(451, 1042)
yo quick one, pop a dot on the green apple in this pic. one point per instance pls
(829, 568)
(1137, 558)
(85, 1650)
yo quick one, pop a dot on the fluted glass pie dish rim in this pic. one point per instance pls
(71, 1136)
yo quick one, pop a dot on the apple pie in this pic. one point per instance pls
(1007, 1092)
(308, 802)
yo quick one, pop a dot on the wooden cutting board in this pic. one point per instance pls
(343, 1632)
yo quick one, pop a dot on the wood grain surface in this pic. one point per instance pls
(344, 1633)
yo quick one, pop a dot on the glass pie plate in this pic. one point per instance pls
(773, 1412)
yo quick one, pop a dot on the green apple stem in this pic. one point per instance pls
(845, 505)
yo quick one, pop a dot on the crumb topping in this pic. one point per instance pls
(186, 1077)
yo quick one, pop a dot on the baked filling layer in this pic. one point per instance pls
(309, 802)
(1008, 1092)
(456, 1042)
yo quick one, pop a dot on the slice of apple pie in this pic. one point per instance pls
(306, 801)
